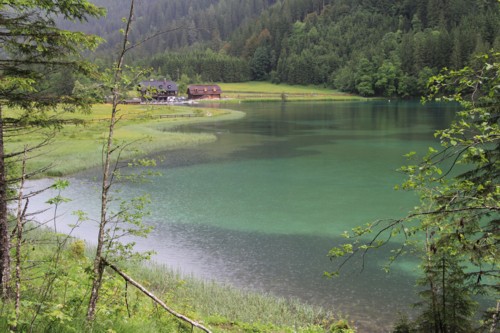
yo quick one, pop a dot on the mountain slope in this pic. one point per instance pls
(190, 23)
(369, 47)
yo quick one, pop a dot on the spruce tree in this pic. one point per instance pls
(31, 48)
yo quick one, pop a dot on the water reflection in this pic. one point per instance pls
(343, 116)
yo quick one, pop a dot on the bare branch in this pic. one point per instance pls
(154, 298)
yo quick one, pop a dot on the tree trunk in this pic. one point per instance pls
(443, 286)
(4, 221)
(106, 185)
(99, 259)
(20, 223)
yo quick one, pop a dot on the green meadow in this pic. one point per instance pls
(141, 130)
(268, 92)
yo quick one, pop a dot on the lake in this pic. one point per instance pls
(260, 207)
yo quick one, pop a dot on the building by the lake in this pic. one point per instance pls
(157, 90)
(204, 91)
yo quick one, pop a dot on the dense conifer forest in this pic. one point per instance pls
(372, 48)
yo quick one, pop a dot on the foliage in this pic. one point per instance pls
(446, 298)
(456, 224)
(466, 204)
(32, 54)
(126, 220)
(403, 325)
(370, 48)
(208, 65)
(34, 51)
(260, 64)
(198, 24)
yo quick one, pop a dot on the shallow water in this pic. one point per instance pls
(261, 207)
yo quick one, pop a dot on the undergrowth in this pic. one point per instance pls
(56, 286)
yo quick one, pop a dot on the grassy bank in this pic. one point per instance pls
(268, 92)
(56, 290)
(77, 147)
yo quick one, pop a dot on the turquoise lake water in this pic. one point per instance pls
(260, 207)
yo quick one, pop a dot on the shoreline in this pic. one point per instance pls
(77, 148)
(215, 298)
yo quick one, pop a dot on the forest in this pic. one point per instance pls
(372, 48)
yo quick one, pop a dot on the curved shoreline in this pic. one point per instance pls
(77, 148)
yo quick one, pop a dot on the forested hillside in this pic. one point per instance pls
(369, 47)
(189, 23)
(365, 46)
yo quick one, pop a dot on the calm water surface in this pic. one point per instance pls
(261, 207)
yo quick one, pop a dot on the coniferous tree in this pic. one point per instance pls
(32, 47)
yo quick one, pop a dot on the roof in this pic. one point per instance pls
(204, 89)
(161, 85)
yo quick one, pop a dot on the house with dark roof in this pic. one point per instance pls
(204, 91)
(157, 90)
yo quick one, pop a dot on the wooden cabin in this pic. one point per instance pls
(157, 90)
(204, 91)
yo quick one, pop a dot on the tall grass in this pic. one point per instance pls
(122, 309)
(214, 300)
